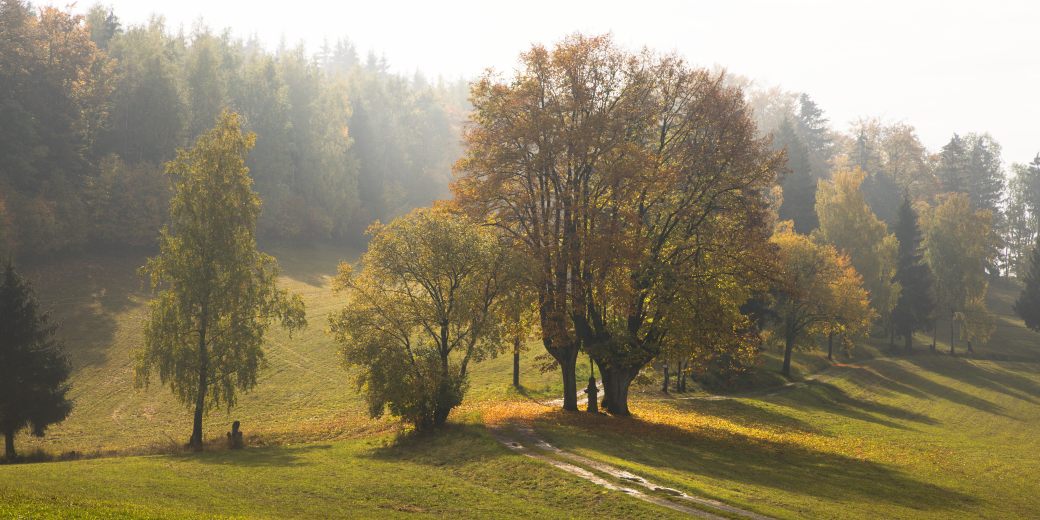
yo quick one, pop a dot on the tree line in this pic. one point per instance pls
(623, 205)
(92, 109)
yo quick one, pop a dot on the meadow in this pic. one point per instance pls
(876, 434)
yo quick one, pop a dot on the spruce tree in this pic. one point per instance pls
(985, 174)
(33, 368)
(1028, 304)
(916, 300)
(882, 194)
(812, 128)
(953, 166)
(1030, 175)
(799, 185)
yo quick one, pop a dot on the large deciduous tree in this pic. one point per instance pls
(54, 87)
(215, 293)
(33, 368)
(422, 307)
(625, 177)
(1020, 224)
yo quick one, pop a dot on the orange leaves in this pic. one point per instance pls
(819, 290)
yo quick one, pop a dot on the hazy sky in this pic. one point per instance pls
(942, 66)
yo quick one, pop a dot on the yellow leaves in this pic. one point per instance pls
(847, 222)
(976, 322)
(344, 276)
(672, 421)
(959, 243)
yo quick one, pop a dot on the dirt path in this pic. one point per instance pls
(522, 438)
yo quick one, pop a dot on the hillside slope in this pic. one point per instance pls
(878, 434)
(100, 303)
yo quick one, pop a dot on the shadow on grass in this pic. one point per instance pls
(832, 399)
(993, 377)
(786, 467)
(452, 445)
(742, 413)
(918, 384)
(311, 264)
(85, 294)
(275, 456)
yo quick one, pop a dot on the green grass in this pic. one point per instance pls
(304, 394)
(460, 473)
(875, 435)
(922, 436)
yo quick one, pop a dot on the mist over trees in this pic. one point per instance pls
(625, 205)
(92, 109)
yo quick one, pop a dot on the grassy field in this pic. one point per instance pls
(875, 435)
(100, 304)
(461, 473)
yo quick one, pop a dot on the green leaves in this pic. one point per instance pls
(425, 303)
(215, 294)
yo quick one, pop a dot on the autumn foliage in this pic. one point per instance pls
(637, 187)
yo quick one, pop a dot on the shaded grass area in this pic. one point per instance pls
(460, 473)
(927, 436)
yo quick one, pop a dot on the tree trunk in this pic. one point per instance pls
(616, 382)
(935, 333)
(682, 376)
(830, 347)
(788, 348)
(200, 400)
(568, 359)
(440, 414)
(516, 362)
(9, 452)
(664, 387)
(952, 338)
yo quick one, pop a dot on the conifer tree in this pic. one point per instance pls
(812, 128)
(799, 185)
(953, 166)
(985, 175)
(1028, 304)
(33, 368)
(916, 300)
